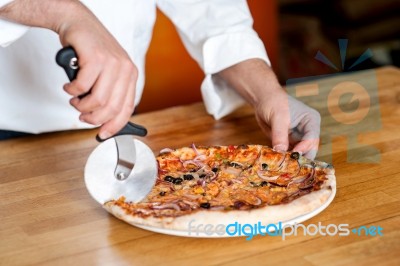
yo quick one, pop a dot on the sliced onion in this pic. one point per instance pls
(192, 197)
(267, 178)
(197, 163)
(201, 182)
(166, 183)
(304, 184)
(236, 181)
(190, 203)
(195, 149)
(213, 176)
(280, 163)
(173, 206)
(233, 171)
(298, 179)
(240, 164)
(200, 157)
(259, 201)
(166, 150)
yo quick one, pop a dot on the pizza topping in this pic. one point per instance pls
(236, 165)
(307, 183)
(214, 169)
(167, 206)
(169, 178)
(202, 175)
(264, 166)
(188, 177)
(205, 205)
(265, 175)
(295, 155)
(166, 150)
(177, 181)
(227, 178)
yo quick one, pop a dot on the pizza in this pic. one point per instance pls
(216, 184)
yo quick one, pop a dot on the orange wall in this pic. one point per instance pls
(173, 78)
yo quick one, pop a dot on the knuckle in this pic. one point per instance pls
(130, 106)
(129, 67)
(80, 87)
(113, 61)
(114, 109)
(91, 119)
(99, 57)
(99, 101)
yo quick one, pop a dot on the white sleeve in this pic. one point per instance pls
(9, 31)
(217, 34)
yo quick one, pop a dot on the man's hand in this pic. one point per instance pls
(285, 121)
(105, 67)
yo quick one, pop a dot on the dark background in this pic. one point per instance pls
(293, 31)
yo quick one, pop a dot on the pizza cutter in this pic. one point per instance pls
(120, 165)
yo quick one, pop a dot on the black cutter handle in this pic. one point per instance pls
(68, 60)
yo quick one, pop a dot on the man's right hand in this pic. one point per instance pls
(105, 67)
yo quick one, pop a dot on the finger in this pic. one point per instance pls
(280, 132)
(106, 84)
(295, 136)
(84, 81)
(266, 130)
(115, 102)
(307, 147)
(117, 123)
(310, 141)
(122, 95)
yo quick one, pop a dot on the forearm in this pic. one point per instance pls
(49, 14)
(253, 79)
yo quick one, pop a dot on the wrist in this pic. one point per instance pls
(254, 80)
(47, 14)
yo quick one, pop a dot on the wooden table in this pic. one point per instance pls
(48, 218)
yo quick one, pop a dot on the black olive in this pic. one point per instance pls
(264, 166)
(215, 169)
(169, 178)
(193, 170)
(253, 184)
(188, 177)
(233, 164)
(264, 183)
(205, 205)
(238, 204)
(202, 175)
(204, 194)
(162, 193)
(243, 146)
(295, 155)
(177, 181)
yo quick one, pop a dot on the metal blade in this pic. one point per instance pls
(126, 150)
(107, 160)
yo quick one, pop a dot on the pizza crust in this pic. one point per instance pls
(313, 202)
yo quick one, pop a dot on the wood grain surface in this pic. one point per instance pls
(48, 218)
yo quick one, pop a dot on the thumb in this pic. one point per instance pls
(280, 133)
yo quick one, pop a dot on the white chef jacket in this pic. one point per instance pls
(217, 34)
